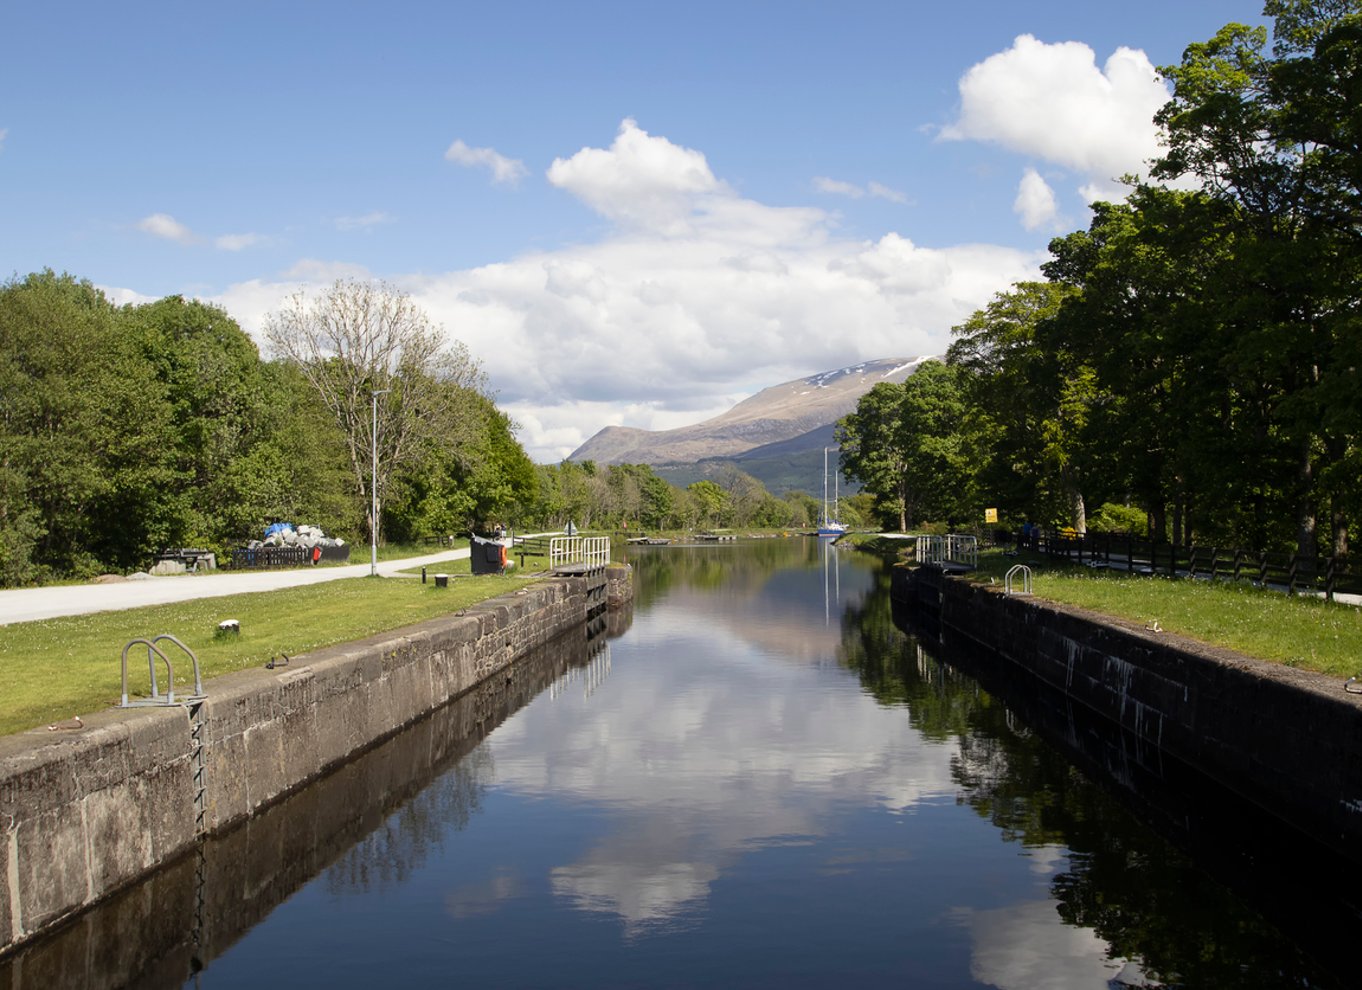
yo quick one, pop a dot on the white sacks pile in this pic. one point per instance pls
(285, 535)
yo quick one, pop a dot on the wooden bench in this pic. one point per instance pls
(532, 546)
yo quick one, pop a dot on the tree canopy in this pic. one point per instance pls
(1193, 353)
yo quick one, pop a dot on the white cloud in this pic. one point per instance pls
(503, 169)
(1035, 202)
(165, 226)
(837, 187)
(1053, 102)
(875, 190)
(4, 133)
(640, 180)
(879, 191)
(695, 299)
(372, 219)
(125, 297)
(237, 242)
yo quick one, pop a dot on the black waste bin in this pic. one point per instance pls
(486, 556)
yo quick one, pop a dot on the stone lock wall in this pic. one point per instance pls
(1289, 741)
(85, 813)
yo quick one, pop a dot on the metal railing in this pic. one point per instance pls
(590, 550)
(152, 653)
(1293, 573)
(954, 549)
(1012, 573)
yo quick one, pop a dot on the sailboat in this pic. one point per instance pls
(829, 526)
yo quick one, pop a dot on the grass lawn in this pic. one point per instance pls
(1299, 631)
(55, 668)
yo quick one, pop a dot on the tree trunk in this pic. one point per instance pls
(1340, 526)
(1158, 522)
(1078, 513)
(1306, 519)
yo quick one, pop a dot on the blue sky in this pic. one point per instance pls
(632, 213)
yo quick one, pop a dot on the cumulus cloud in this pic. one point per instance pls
(1035, 202)
(1053, 102)
(875, 190)
(694, 298)
(503, 169)
(165, 226)
(640, 180)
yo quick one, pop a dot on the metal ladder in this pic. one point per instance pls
(1013, 571)
(193, 703)
(152, 653)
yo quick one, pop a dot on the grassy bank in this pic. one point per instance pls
(55, 668)
(1299, 631)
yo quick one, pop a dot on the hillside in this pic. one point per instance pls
(790, 419)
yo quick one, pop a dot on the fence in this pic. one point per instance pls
(592, 551)
(1329, 576)
(961, 551)
(287, 556)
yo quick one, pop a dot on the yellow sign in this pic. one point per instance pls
(990, 515)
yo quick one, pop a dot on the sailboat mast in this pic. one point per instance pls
(825, 484)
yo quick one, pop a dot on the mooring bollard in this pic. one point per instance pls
(442, 580)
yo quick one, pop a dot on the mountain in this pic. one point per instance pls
(780, 422)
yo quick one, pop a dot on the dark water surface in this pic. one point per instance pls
(762, 782)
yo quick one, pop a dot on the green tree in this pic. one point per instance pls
(871, 449)
(370, 353)
(711, 502)
(907, 444)
(213, 381)
(85, 435)
(1275, 136)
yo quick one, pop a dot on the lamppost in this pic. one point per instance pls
(373, 487)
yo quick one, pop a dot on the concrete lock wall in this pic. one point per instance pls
(1289, 741)
(180, 917)
(85, 813)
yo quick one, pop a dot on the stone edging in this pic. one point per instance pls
(1289, 741)
(85, 813)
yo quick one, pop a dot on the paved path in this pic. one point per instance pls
(28, 604)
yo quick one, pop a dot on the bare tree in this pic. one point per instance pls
(361, 340)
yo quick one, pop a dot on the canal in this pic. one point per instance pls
(762, 780)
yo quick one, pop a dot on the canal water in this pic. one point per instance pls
(764, 779)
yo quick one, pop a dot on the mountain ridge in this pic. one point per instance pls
(775, 415)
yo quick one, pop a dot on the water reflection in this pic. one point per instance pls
(370, 826)
(766, 782)
(707, 749)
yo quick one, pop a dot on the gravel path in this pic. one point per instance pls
(29, 604)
